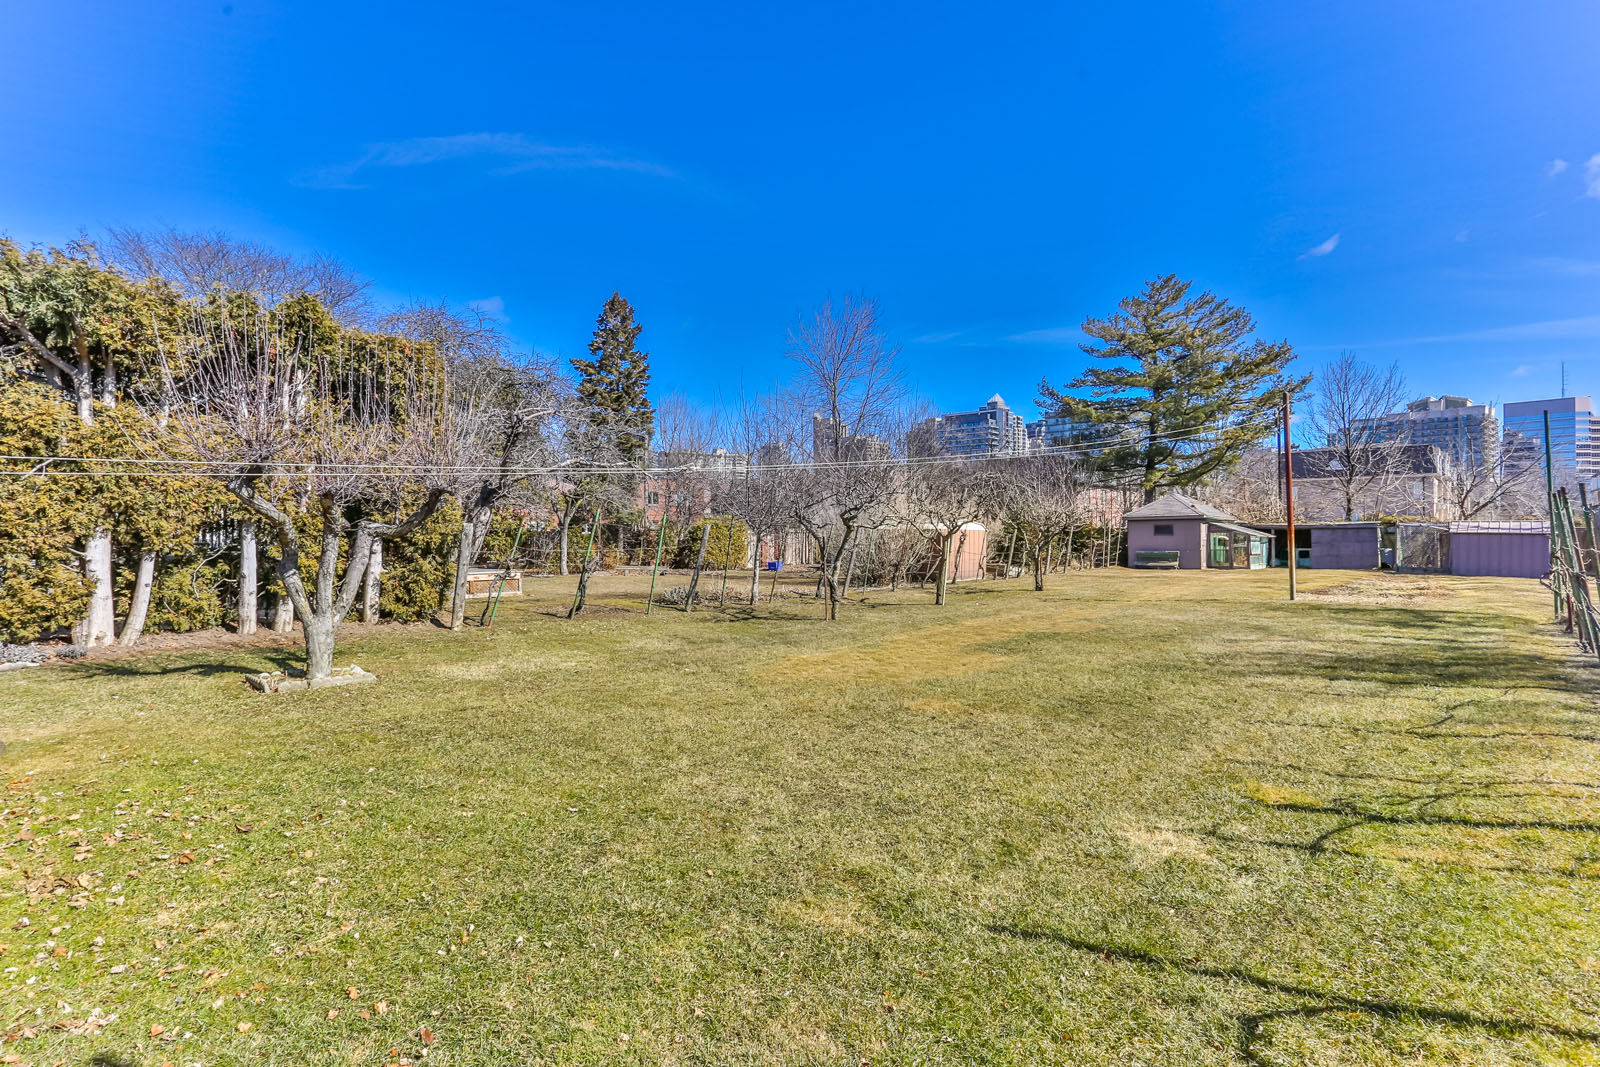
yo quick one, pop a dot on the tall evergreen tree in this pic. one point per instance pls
(1188, 392)
(612, 384)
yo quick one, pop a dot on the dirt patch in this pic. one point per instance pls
(832, 916)
(934, 652)
(1278, 796)
(1154, 846)
(1381, 589)
(942, 651)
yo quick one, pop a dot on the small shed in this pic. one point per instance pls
(1355, 546)
(1500, 548)
(969, 553)
(1179, 532)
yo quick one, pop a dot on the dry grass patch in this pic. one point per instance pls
(1381, 589)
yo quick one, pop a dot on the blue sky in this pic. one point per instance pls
(1417, 182)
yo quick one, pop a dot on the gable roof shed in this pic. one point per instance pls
(1178, 506)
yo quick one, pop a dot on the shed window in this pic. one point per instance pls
(1163, 529)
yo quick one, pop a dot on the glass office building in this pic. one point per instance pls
(1574, 433)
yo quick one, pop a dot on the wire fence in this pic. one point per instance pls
(1573, 565)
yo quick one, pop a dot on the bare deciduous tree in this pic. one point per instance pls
(691, 479)
(1252, 491)
(850, 384)
(939, 500)
(198, 263)
(755, 493)
(310, 440)
(507, 409)
(1357, 460)
(1045, 502)
(1472, 488)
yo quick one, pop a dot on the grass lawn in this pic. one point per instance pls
(1142, 818)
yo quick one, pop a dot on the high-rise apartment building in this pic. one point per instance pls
(1574, 433)
(830, 441)
(1453, 424)
(992, 429)
(1056, 431)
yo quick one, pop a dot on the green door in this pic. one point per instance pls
(1219, 550)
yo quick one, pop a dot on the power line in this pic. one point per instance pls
(153, 466)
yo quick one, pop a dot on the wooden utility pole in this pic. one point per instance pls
(1550, 497)
(1288, 493)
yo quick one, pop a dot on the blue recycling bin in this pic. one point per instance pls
(774, 564)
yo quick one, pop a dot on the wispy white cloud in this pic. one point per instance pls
(1462, 235)
(1580, 328)
(510, 153)
(1566, 266)
(492, 306)
(1591, 177)
(1323, 249)
(1521, 370)
(934, 338)
(1555, 166)
(1054, 335)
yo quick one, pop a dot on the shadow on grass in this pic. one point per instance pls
(1319, 847)
(140, 668)
(1417, 647)
(1252, 1028)
(1437, 781)
(1425, 733)
(1359, 816)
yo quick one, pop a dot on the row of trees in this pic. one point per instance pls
(177, 401)
(268, 397)
(191, 392)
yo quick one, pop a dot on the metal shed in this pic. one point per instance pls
(1354, 546)
(1503, 549)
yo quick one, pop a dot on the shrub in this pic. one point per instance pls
(419, 570)
(728, 545)
(41, 589)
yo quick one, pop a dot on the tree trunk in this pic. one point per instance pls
(591, 560)
(139, 602)
(481, 521)
(727, 558)
(1038, 570)
(371, 585)
(247, 578)
(699, 562)
(319, 646)
(283, 615)
(755, 573)
(566, 526)
(942, 585)
(831, 581)
(458, 591)
(83, 384)
(849, 570)
(99, 626)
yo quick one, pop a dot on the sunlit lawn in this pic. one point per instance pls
(1140, 818)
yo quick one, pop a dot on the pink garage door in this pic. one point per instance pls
(1503, 555)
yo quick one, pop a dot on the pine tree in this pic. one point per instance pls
(612, 384)
(1190, 391)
